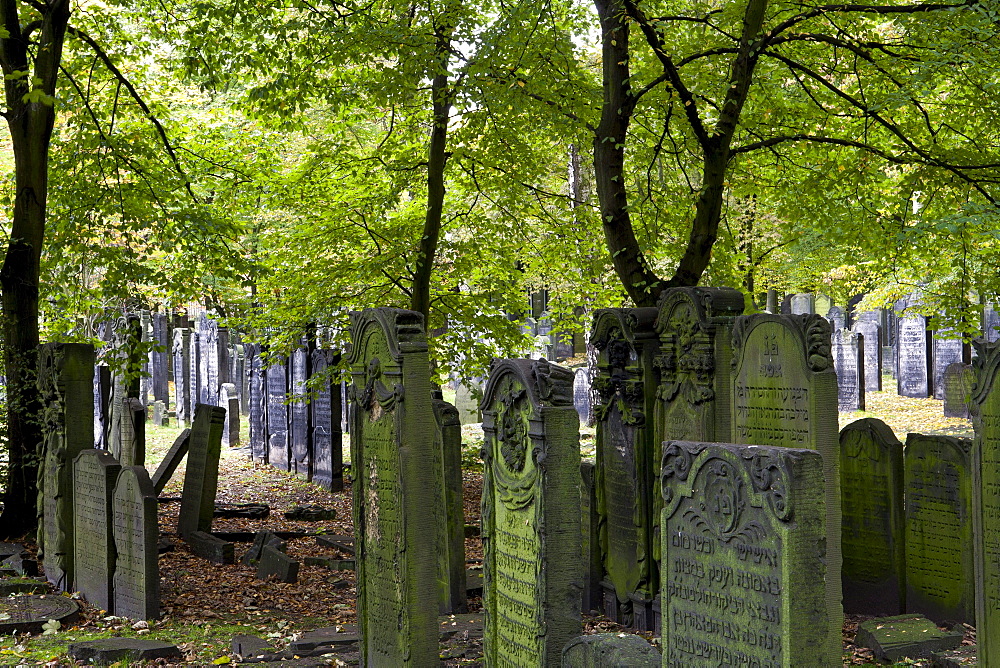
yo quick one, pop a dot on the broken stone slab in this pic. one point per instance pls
(604, 650)
(22, 585)
(963, 657)
(343, 543)
(274, 562)
(249, 536)
(330, 636)
(911, 636)
(262, 538)
(10, 549)
(455, 625)
(311, 513)
(250, 646)
(207, 546)
(112, 650)
(27, 613)
(251, 511)
(22, 564)
(171, 461)
(332, 564)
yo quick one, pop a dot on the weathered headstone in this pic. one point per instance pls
(136, 533)
(229, 402)
(66, 390)
(194, 374)
(171, 461)
(277, 416)
(802, 304)
(258, 402)
(95, 473)
(991, 323)
(201, 476)
(396, 522)
(605, 650)
(531, 464)
(848, 361)
(837, 318)
(939, 564)
(125, 380)
(905, 636)
(785, 394)
(945, 350)
(627, 345)
(871, 485)
(324, 416)
(160, 418)
(28, 613)
(298, 412)
(581, 395)
(745, 572)
(958, 381)
(130, 446)
(102, 412)
(274, 561)
(181, 357)
(467, 405)
(590, 526)
(451, 552)
(823, 304)
(238, 376)
(110, 651)
(159, 359)
(871, 334)
(913, 352)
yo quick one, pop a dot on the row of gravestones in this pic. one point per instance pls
(295, 409)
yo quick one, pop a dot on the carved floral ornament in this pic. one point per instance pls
(686, 361)
(510, 451)
(375, 399)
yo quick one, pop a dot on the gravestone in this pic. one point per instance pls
(194, 375)
(745, 572)
(786, 305)
(467, 405)
(276, 379)
(836, 317)
(985, 408)
(871, 334)
(913, 357)
(159, 359)
(823, 304)
(125, 379)
(590, 526)
(784, 394)
(848, 361)
(145, 378)
(946, 350)
(238, 376)
(772, 301)
(531, 484)
(66, 391)
(397, 526)
(208, 364)
(136, 534)
(102, 412)
(258, 402)
(229, 402)
(958, 381)
(939, 563)
(298, 412)
(326, 438)
(181, 357)
(451, 552)
(581, 395)
(991, 323)
(171, 461)
(625, 384)
(130, 445)
(871, 480)
(95, 473)
(802, 304)
(201, 477)
(160, 418)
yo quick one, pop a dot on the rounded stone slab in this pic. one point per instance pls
(27, 614)
(111, 650)
(20, 585)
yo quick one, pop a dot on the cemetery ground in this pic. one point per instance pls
(204, 605)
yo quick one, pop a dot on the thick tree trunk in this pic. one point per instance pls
(639, 281)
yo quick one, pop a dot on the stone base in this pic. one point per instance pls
(113, 650)
(610, 649)
(636, 613)
(963, 657)
(912, 636)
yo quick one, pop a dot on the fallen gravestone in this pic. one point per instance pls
(249, 511)
(211, 547)
(29, 612)
(343, 543)
(905, 636)
(274, 561)
(874, 566)
(311, 513)
(963, 657)
(331, 636)
(201, 477)
(610, 650)
(136, 534)
(939, 564)
(128, 650)
(21, 585)
(261, 539)
(531, 464)
(744, 564)
(332, 564)
(171, 461)
(95, 474)
(247, 646)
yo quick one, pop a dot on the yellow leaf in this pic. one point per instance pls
(221, 660)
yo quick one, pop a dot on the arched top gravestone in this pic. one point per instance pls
(530, 513)
(396, 484)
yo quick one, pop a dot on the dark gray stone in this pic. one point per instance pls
(257, 391)
(591, 555)
(275, 562)
(450, 500)
(945, 350)
(848, 361)
(201, 477)
(95, 474)
(913, 357)
(311, 513)
(610, 650)
(298, 412)
(136, 534)
(963, 657)
(253, 511)
(332, 564)
(211, 548)
(246, 646)
(958, 381)
(262, 538)
(21, 585)
(277, 417)
(229, 401)
(343, 543)
(102, 410)
(991, 323)
(159, 360)
(129, 650)
(327, 455)
(871, 338)
(160, 418)
(181, 357)
(910, 636)
(325, 637)
(28, 612)
(171, 461)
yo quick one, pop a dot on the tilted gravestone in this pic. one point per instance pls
(171, 461)
(277, 416)
(958, 381)
(785, 394)
(451, 552)
(201, 476)
(625, 384)
(871, 335)
(871, 480)
(136, 533)
(397, 525)
(530, 513)
(745, 572)
(298, 412)
(326, 438)
(946, 350)
(848, 361)
(985, 405)
(66, 390)
(913, 357)
(938, 492)
(258, 402)
(95, 473)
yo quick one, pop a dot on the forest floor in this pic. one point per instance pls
(204, 605)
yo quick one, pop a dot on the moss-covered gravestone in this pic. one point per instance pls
(95, 473)
(201, 477)
(958, 381)
(939, 562)
(530, 513)
(125, 380)
(785, 394)
(625, 464)
(451, 553)
(398, 525)
(66, 390)
(136, 533)
(744, 567)
(871, 487)
(946, 348)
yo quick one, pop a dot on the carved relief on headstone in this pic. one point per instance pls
(181, 357)
(785, 394)
(871, 333)
(531, 484)
(66, 391)
(298, 412)
(126, 375)
(625, 384)
(745, 572)
(871, 479)
(136, 533)
(95, 473)
(913, 368)
(939, 563)
(848, 361)
(201, 477)
(396, 470)
(324, 417)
